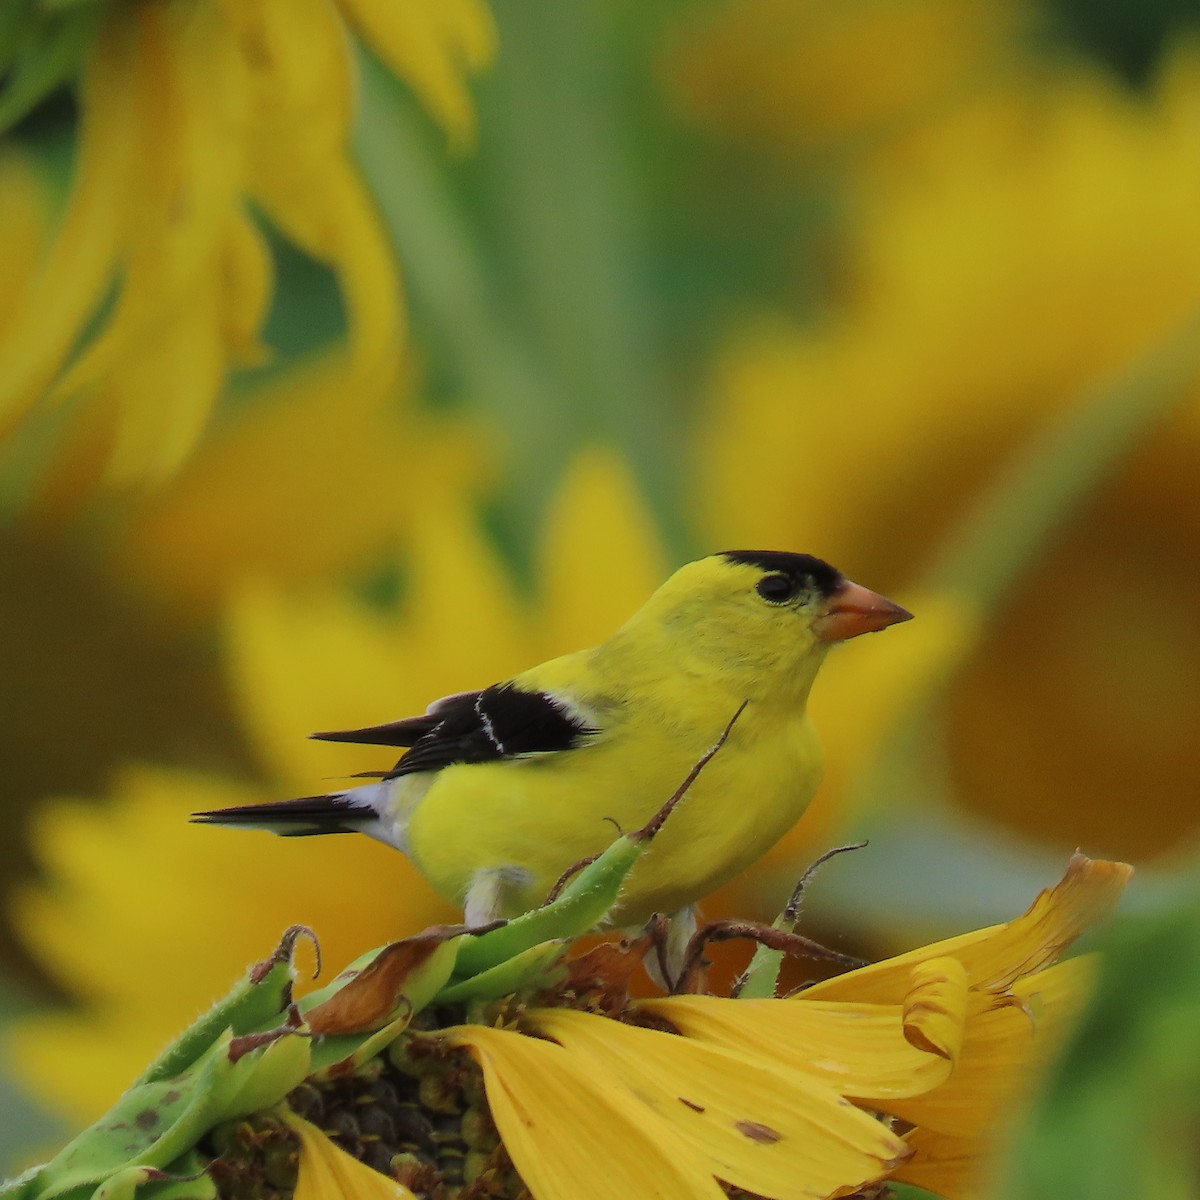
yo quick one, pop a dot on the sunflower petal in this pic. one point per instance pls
(431, 45)
(775, 1133)
(566, 1127)
(329, 1173)
(859, 1049)
(935, 1009)
(995, 957)
(1002, 1052)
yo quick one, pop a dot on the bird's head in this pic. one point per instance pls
(765, 618)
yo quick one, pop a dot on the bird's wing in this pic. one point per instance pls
(498, 723)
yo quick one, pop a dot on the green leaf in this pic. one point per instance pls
(153, 1124)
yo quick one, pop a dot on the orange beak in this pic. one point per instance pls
(854, 609)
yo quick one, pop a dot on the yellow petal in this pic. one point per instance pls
(248, 277)
(995, 957)
(858, 1049)
(188, 148)
(935, 1009)
(82, 257)
(431, 45)
(774, 1133)
(571, 1131)
(25, 203)
(596, 518)
(167, 389)
(1003, 1053)
(947, 1166)
(329, 1173)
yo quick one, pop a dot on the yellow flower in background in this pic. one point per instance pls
(796, 76)
(307, 479)
(191, 113)
(1025, 263)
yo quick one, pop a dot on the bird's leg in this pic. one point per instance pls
(670, 939)
(487, 893)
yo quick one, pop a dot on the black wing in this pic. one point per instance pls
(501, 722)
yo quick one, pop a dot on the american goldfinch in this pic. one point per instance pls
(501, 790)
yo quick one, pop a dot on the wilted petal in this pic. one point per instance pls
(572, 1132)
(1002, 1053)
(774, 1133)
(935, 1009)
(995, 957)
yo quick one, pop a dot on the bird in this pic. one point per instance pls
(499, 791)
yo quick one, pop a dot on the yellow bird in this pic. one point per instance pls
(501, 790)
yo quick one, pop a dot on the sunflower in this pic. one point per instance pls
(201, 123)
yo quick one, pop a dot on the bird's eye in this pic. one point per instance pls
(777, 588)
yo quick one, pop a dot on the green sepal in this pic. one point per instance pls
(535, 968)
(761, 979)
(257, 1002)
(186, 1180)
(345, 1053)
(155, 1123)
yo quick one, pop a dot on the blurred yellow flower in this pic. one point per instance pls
(158, 278)
(1024, 263)
(795, 76)
(307, 479)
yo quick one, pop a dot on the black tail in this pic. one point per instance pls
(337, 812)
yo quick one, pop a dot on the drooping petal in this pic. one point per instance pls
(431, 45)
(1003, 1053)
(328, 1173)
(72, 278)
(935, 1008)
(775, 1133)
(858, 1049)
(247, 274)
(995, 957)
(571, 1132)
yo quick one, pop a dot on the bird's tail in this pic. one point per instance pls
(336, 812)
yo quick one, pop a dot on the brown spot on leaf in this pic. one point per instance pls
(689, 1104)
(146, 1119)
(758, 1133)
